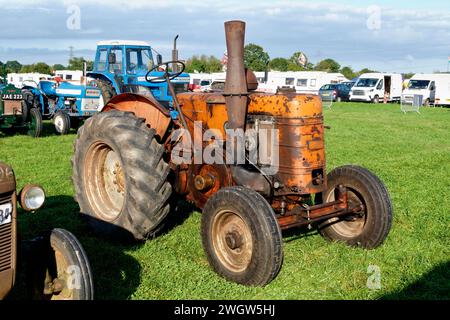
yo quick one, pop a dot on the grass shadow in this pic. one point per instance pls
(294, 234)
(116, 273)
(434, 284)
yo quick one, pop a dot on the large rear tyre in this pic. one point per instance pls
(107, 89)
(241, 236)
(368, 228)
(58, 268)
(36, 125)
(120, 176)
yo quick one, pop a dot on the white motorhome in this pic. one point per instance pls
(434, 88)
(374, 87)
(30, 79)
(202, 81)
(302, 81)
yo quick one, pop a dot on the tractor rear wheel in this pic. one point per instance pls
(120, 176)
(61, 121)
(36, 125)
(241, 236)
(58, 268)
(367, 228)
(106, 88)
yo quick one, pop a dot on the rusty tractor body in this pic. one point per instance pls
(53, 258)
(125, 174)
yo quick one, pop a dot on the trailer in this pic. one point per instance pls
(377, 86)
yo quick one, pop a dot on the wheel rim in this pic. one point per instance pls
(59, 123)
(104, 181)
(232, 241)
(62, 290)
(349, 226)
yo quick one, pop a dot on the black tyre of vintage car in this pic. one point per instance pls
(369, 227)
(241, 236)
(58, 268)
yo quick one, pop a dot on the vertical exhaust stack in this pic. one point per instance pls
(236, 94)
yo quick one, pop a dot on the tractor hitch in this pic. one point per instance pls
(306, 215)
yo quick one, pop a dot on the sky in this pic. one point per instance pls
(392, 36)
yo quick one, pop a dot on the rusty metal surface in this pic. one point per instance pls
(220, 176)
(156, 116)
(304, 215)
(301, 133)
(235, 84)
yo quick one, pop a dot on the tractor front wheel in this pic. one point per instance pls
(120, 176)
(61, 121)
(369, 227)
(36, 125)
(241, 236)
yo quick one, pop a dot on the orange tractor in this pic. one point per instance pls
(124, 171)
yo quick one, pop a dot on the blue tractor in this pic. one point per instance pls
(66, 103)
(128, 66)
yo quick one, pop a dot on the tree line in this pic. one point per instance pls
(257, 59)
(75, 63)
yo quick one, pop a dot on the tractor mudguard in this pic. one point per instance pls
(155, 115)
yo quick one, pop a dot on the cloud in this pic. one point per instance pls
(321, 29)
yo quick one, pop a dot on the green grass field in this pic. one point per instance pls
(410, 153)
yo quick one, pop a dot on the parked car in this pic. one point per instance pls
(335, 92)
(349, 84)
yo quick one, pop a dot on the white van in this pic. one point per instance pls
(434, 88)
(373, 87)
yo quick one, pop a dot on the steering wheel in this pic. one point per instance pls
(167, 75)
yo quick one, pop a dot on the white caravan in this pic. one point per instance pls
(434, 88)
(302, 81)
(374, 87)
(30, 79)
(73, 76)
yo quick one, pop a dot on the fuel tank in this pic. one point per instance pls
(298, 121)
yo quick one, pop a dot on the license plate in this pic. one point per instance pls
(5, 213)
(325, 94)
(89, 104)
(12, 96)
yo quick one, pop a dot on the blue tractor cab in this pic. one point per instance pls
(127, 66)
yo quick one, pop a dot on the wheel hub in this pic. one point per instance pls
(233, 240)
